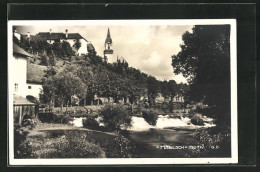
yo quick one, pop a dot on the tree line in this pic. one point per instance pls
(97, 78)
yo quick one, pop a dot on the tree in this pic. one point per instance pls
(153, 88)
(172, 86)
(77, 44)
(62, 87)
(48, 92)
(45, 59)
(115, 117)
(165, 90)
(204, 60)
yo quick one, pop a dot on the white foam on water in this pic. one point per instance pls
(77, 122)
(139, 124)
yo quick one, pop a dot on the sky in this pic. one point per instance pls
(146, 47)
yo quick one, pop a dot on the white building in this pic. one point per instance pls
(71, 38)
(17, 35)
(19, 72)
(35, 74)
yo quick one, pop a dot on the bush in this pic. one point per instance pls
(121, 147)
(150, 117)
(62, 119)
(90, 122)
(55, 118)
(115, 117)
(21, 149)
(197, 119)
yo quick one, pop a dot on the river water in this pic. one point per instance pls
(139, 124)
(168, 131)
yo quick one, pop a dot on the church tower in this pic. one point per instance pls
(108, 52)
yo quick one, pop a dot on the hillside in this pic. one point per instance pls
(102, 79)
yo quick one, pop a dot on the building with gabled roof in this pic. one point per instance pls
(35, 76)
(20, 70)
(71, 38)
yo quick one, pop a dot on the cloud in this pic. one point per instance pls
(148, 48)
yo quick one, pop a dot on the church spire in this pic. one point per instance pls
(108, 39)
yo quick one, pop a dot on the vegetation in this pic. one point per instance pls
(153, 87)
(122, 147)
(72, 144)
(150, 117)
(197, 119)
(62, 87)
(115, 117)
(204, 61)
(214, 143)
(77, 44)
(91, 123)
(55, 118)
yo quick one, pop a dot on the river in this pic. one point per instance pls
(168, 138)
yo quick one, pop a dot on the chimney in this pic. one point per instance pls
(66, 33)
(28, 34)
(50, 31)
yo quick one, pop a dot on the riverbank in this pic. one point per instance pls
(47, 140)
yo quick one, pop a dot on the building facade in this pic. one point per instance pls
(35, 75)
(19, 73)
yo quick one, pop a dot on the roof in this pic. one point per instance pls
(108, 39)
(18, 100)
(35, 73)
(54, 36)
(19, 50)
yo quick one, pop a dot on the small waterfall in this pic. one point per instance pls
(139, 124)
(77, 122)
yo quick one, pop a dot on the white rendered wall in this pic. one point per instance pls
(83, 48)
(35, 90)
(18, 36)
(19, 75)
(110, 58)
(50, 41)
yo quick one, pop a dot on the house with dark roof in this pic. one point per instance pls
(22, 107)
(71, 38)
(19, 73)
(35, 75)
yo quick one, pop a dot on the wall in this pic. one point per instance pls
(50, 41)
(110, 58)
(83, 48)
(35, 90)
(19, 75)
(18, 36)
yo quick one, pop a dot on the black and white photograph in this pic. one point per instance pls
(101, 92)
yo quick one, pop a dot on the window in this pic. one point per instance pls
(15, 87)
(29, 87)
